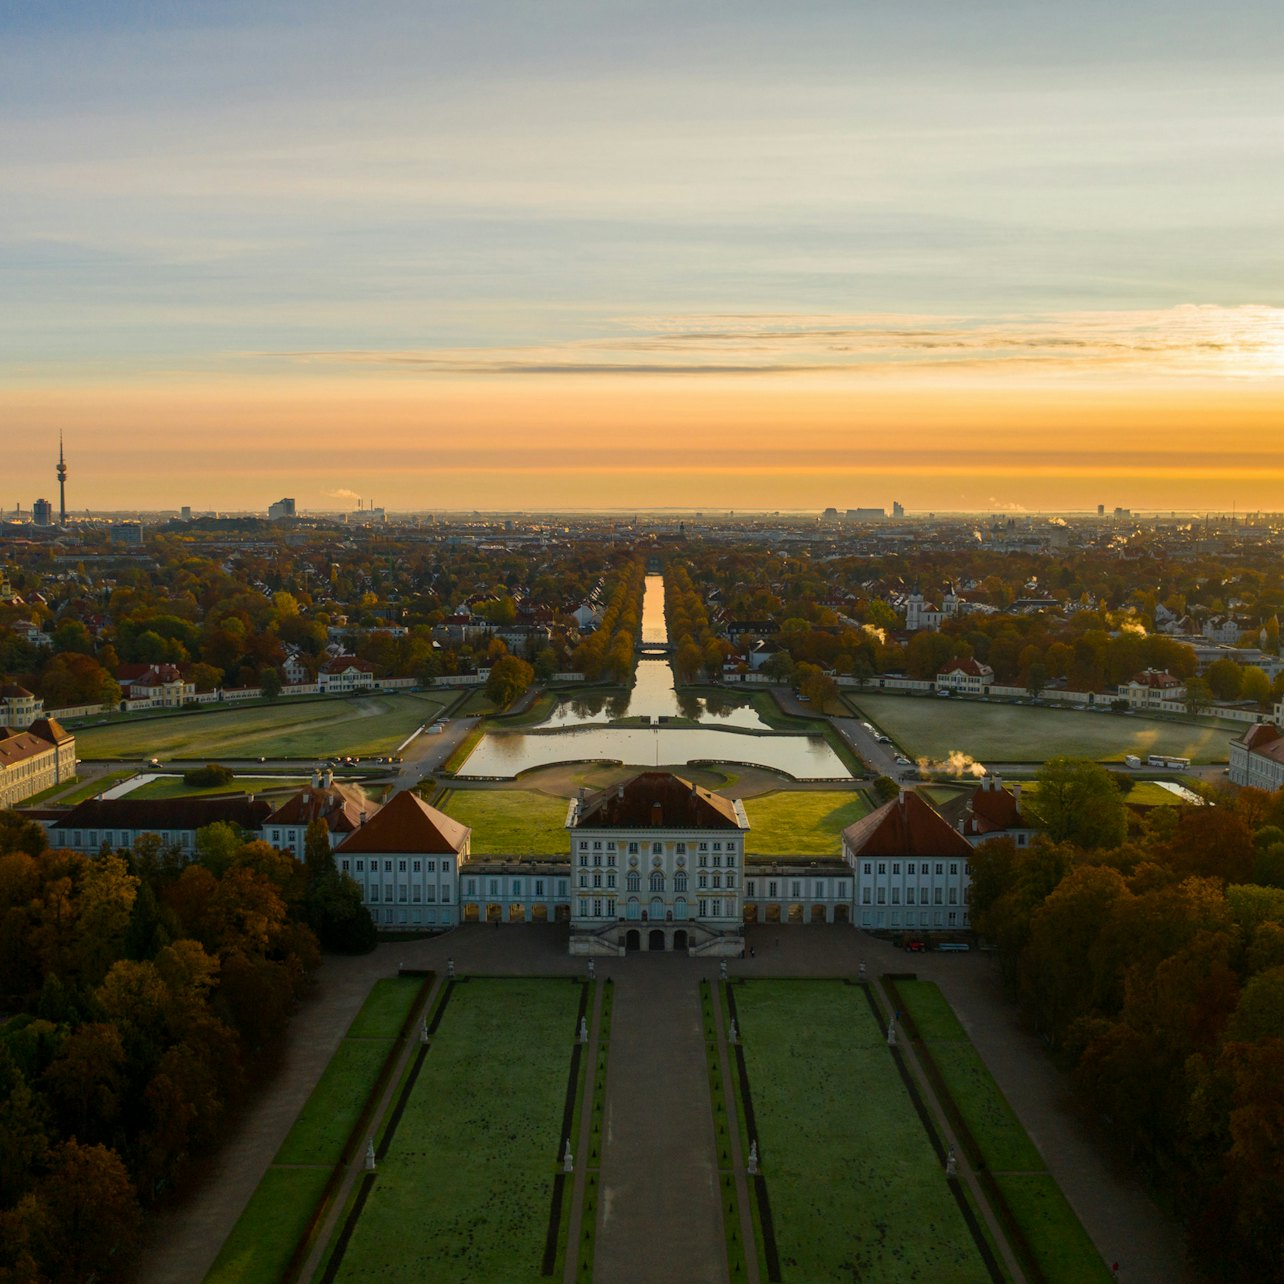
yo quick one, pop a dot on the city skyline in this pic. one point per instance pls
(607, 258)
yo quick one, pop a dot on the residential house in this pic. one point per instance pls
(966, 676)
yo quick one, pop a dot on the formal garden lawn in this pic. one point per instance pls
(173, 787)
(801, 823)
(856, 1189)
(265, 1235)
(510, 822)
(927, 726)
(464, 1190)
(319, 728)
(1057, 1238)
(267, 1232)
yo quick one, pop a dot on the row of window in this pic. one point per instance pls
(909, 896)
(833, 891)
(373, 894)
(911, 867)
(416, 866)
(921, 918)
(541, 887)
(657, 849)
(657, 911)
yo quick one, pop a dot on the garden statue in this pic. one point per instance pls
(753, 1159)
(592, 969)
(583, 1029)
(862, 971)
(370, 1156)
(951, 1164)
(891, 1032)
(450, 969)
(735, 1034)
(722, 970)
(568, 1162)
(423, 1030)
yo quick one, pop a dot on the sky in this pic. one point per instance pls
(993, 256)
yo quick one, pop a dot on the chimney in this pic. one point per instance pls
(1016, 794)
(327, 778)
(657, 814)
(363, 817)
(316, 778)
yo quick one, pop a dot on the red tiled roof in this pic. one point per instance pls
(1157, 678)
(52, 730)
(18, 746)
(970, 666)
(154, 814)
(344, 662)
(1264, 739)
(906, 826)
(681, 805)
(14, 692)
(407, 824)
(340, 806)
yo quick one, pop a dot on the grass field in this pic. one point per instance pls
(510, 822)
(173, 787)
(1055, 1234)
(265, 1235)
(464, 1190)
(359, 725)
(856, 1189)
(801, 823)
(924, 726)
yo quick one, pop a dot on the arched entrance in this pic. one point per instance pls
(841, 914)
(539, 913)
(679, 940)
(561, 913)
(471, 913)
(773, 913)
(633, 940)
(655, 939)
(795, 913)
(517, 912)
(494, 912)
(817, 913)
(751, 912)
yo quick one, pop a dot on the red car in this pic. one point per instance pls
(916, 947)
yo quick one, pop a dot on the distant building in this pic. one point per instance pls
(966, 676)
(866, 515)
(129, 534)
(345, 673)
(282, 509)
(991, 810)
(34, 760)
(912, 868)
(18, 706)
(185, 513)
(162, 685)
(921, 614)
(42, 513)
(1147, 689)
(121, 822)
(898, 509)
(343, 809)
(1257, 758)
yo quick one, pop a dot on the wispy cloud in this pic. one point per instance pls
(1194, 340)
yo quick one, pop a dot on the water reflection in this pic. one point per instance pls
(578, 729)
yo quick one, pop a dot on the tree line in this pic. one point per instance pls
(1150, 957)
(142, 995)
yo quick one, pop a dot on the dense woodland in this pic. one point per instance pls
(139, 997)
(1151, 961)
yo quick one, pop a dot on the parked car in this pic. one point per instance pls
(916, 946)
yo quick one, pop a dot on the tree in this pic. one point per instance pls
(1255, 685)
(1078, 802)
(1224, 678)
(270, 681)
(1036, 678)
(509, 678)
(1199, 696)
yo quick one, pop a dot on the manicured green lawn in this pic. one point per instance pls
(934, 728)
(510, 822)
(1056, 1235)
(801, 823)
(173, 787)
(336, 1103)
(464, 1190)
(373, 724)
(385, 1009)
(263, 1239)
(86, 789)
(856, 1189)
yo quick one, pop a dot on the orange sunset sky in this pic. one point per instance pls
(634, 257)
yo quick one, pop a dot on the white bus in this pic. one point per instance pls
(1164, 760)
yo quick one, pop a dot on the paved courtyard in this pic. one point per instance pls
(657, 1166)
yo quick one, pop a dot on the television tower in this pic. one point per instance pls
(62, 484)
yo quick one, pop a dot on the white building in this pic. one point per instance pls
(966, 676)
(921, 614)
(342, 808)
(1149, 688)
(912, 870)
(34, 760)
(406, 860)
(18, 706)
(1257, 758)
(345, 673)
(656, 863)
